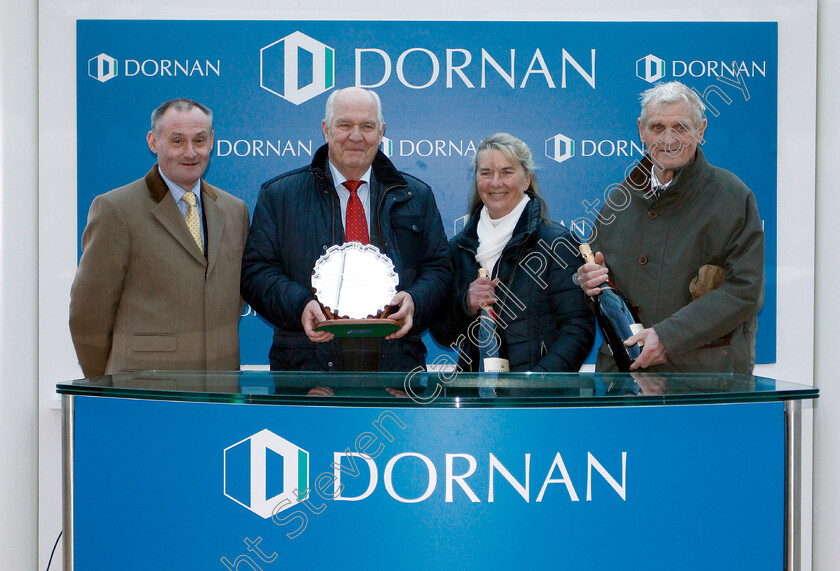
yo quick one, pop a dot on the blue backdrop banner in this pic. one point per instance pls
(568, 89)
(176, 485)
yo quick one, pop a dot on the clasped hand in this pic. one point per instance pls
(590, 276)
(481, 293)
(313, 315)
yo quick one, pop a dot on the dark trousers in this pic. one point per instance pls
(360, 353)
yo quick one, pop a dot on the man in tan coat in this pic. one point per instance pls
(157, 285)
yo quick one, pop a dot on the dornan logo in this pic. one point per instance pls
(297, 68)
(102, 67)
(650, 68)
(387, 146)
(265, 473)
(559, 148)
(105, 68)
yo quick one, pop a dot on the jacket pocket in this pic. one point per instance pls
(294, 352)
(718, 359)
(404, 354)
(285, 358)
(142, 342)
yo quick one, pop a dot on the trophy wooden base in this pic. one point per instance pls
(359, 327)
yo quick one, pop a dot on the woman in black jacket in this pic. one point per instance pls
(539, 313)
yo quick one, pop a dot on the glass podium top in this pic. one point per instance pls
(443, 390)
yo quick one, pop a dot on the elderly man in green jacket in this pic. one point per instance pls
(685, 244)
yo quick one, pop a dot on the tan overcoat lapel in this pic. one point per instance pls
(215, 219)
(166, 212)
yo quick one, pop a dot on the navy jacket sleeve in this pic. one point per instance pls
(265, 285)
(434, 277)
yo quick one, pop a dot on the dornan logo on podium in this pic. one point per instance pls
(264, 473)
(267, 475)
(104, 68)
(652, 68)
(264, 463)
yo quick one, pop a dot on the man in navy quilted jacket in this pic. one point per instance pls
(300, 214)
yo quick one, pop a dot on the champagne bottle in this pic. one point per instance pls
(616, 318)
(491, 347)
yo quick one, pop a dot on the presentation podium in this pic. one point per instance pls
(249, 471)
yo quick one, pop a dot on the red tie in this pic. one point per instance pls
(356, 225)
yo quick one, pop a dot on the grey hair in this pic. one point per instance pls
(179, 104)
(514, 149)
(330, 109)
(663, 94)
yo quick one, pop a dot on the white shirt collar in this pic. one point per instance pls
(654, 181)
(178, 192)
(338, 178)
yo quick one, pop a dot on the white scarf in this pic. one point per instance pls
(493, 235)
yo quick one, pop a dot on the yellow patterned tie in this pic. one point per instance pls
(193, 222)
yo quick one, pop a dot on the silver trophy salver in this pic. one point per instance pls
(354, 284)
